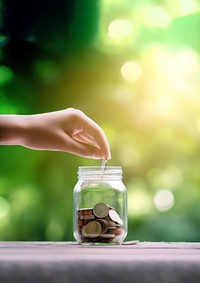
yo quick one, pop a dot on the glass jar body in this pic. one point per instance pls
(100, 206)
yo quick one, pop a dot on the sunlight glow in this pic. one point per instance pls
(186, 7)
(139, 199)
(171, 176)
(139, 203)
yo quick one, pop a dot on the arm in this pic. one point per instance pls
(68, 130)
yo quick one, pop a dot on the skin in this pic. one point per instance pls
(68, 130)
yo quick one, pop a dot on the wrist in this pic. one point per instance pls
(12, 129)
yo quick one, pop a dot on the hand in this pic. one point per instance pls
(68, 130)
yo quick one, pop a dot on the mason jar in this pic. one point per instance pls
(100, 206)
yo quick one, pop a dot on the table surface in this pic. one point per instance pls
(63, 262)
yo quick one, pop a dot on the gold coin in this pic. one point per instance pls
(101, 210)
(91, 230)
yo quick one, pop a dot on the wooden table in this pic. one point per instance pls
(68, 262)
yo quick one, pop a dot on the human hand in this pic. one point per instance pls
(68, 130)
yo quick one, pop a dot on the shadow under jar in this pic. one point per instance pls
(100, 206)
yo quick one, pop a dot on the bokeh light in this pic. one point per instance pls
(120, 29)
(131, 71)
(155, 16)
(185, 7)
(164, 200)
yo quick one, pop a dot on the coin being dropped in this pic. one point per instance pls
(101, 210)
(104, 163)
(91, 230)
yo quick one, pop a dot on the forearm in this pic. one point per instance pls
(12, 129)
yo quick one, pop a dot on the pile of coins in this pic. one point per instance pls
(101, 223)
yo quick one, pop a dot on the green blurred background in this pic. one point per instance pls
(133, 67)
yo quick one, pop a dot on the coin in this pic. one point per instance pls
(81, 223)
(120, 221)
(104, 225)
(87, 217)
(104, 164)
(101, 210)
(114, 215)
(91, 230)
(107, 236)
(85, 211)
(111, 224)
(117, 231)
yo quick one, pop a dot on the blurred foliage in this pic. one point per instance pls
(133, 67)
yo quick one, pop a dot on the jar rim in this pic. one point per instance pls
(100, 172)
(96, 168)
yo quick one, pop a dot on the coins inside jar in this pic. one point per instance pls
(102, 223)
(101, 210)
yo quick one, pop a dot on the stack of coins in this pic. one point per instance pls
(101, 223)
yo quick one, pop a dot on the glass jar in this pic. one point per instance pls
(100, 206)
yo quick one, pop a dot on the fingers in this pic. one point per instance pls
(85, 138)
(96, 146)
(81, 135)
(93, 133)
(79, 147)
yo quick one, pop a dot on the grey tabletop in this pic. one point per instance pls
(63, 262)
